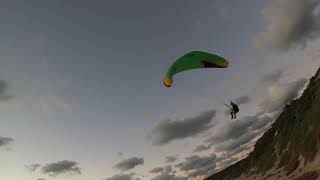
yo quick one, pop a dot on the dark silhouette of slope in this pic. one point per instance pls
(288, 150)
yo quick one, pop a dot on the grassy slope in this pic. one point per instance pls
(298, 134)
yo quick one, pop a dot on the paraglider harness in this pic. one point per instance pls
(234, 110)
(235, 107)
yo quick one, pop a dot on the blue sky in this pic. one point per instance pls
(87, 92)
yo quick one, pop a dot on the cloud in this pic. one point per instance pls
(236, 151)
(128, 164)
(291, 23)
(120, 177)
(198, 166)
(235, 143)
(61, 167)
(228, 161)
(3, 89)
(261, 122)
(156, 170)
(201, 148)
(168, 130)
(273, 77)
(227, 130)
(230, 136)
(226, 155)
(33, 167)
(279, 95)
(120, 154)
(168, 177)
(171, 159)
(194, 162)
(41, 179)
(4, 141)
(3, 86)
(166, 170)
(242, 100)
(235, 139)
(202, 172)
(230, 157)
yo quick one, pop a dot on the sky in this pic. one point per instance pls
(82, 97)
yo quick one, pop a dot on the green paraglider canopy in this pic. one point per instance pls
(194, 60)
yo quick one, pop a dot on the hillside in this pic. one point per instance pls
(290, 149)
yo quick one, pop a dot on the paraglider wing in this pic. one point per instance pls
(194, 60)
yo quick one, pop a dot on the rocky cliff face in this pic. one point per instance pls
(290, 149)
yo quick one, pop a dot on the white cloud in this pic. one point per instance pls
(279, 95)
(291, 23)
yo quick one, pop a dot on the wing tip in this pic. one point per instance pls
(167, 82)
